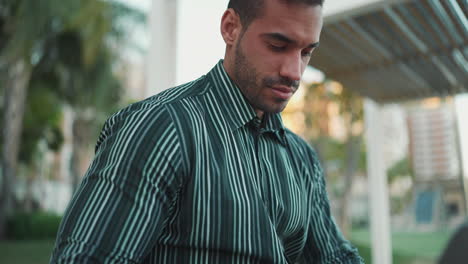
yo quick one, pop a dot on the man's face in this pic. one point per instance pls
(271, 55)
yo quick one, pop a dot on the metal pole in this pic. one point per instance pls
(377, 184)
(462, 156)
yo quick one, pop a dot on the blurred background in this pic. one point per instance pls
(384, 102)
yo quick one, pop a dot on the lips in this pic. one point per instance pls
(283, 92)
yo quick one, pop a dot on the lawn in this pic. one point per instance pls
(408, 247)
(25, 252)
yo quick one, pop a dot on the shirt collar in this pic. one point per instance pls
(236, 109)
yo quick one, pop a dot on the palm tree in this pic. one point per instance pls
(15, 64)
(73, 41)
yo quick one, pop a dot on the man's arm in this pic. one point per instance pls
(325, 243)
(122, 205)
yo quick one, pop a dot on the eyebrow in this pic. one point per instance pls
(281, 37)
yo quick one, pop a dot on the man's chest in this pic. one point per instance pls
(245, 192)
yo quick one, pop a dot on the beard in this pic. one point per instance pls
(251, 84)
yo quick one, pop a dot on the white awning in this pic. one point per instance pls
(393, 51)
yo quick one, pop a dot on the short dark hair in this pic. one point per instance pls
(249, 10)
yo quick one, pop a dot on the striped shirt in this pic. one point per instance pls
(191, 175)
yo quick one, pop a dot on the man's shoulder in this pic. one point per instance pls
(295, 139)
(187, 91)
(166, 104)
(158, 112)
(300, 145)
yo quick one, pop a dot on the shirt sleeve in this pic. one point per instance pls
(325, 243)
(128, 192)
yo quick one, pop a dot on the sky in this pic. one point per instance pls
(200, 45)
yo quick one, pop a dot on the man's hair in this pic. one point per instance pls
(249, 10)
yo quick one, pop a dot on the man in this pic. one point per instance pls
(455, 250)
(206, 172)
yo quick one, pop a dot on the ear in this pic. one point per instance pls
(231, 26)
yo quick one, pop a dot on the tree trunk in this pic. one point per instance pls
(352, 160)
(17, 80)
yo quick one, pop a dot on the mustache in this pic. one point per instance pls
(273, 81)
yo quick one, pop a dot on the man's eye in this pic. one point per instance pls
(307, 53)
(277, 47)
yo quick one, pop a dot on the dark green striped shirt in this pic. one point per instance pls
(191, 175)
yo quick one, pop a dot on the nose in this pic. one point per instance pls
(292, 67)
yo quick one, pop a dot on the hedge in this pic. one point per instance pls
(33, 226)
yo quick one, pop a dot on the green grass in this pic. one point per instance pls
(26, 252)
(365, 252)
(408, 247)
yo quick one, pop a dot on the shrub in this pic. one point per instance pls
(33, 226)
